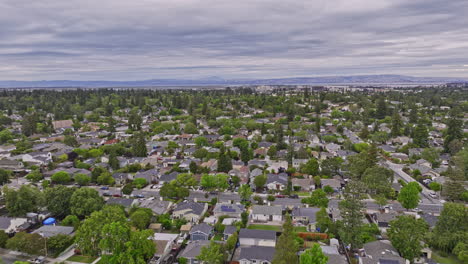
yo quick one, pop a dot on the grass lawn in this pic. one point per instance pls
(300, 229)
(302, 193)
(265, 227)
(82, 259)
(450, 259)
(218, 237)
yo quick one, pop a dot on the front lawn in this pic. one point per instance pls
(218, 237)
(82, 259)
(300, 229)
(265, 227)
(450, 259)
(306, 194)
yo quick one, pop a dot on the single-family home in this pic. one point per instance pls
(192, 250)
(190, 211)
(256, 254)
(201, 231)
(255, 237)
(265, 213)
(305, 216)
(231, 210)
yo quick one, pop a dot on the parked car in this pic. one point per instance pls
(294, 196)
(280, 196)
(104, 188)
(38, 260)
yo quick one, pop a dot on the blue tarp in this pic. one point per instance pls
(49, 221)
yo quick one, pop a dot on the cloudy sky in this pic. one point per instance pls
(158, 39)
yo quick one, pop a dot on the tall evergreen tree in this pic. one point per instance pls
(286, 247)
(397, 124)
(420, 135)
(139, 145)
(381, 111)
(351, 211)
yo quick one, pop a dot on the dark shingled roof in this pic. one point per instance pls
(260, 234)
(257, 253)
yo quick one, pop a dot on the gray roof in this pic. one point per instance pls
(257, 253)
(228, 208)
(281, 178)
(258, 234)
(157, 206)
(229, 230)
(193, 249)
(309, 212)
(5, 222)
(50, 230)
(196, 208)
(169, 177)
(203, 228)
(125, 202)
(267, 210)
(380, 250)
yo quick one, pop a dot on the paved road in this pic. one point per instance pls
(398, 169)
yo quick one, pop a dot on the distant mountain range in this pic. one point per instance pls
(358, 79)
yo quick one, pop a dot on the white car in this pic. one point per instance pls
(433, 194)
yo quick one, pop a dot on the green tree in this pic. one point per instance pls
(190, 128)
(201, 141)
(378, 180)
(409, 195)
(286, 246)
(245, 192)
(5, 176)
(212, 254)
(324, 223)
(89, 234)
(3, 238)
(454, 129)
(224, 162)
(317, 198)
(420, 135)
(397, 124)
(139, 145)
(61, 177)
(26, 199)
(113, 161)
(134, 121)
(311, 167)
(260, 181)
(84, 201)
(58, 243)
(406, 234)
(32, 244)
(127, 189)
(451, 227)
(232, 241)
(58, 199)
(330, 167)
(140, 183)
(82, 179)
(272, 152)
(141, 218)
(105, 179)
(313, 255)
(70, 141)
(33, 176)
(71, 220)
(351, 211)
(381, 111)
(186, 180)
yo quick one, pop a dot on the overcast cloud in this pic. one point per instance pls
(155, 39)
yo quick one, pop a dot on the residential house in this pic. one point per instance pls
(12, 165)
(201, 231)
(380, 251)
(157, 206)
(53, 230)
(192, 250)
(190, 211)
(303, 184)
(265, 213)
(305, 216)
(255, 237)
(228, 231)
(231, 210)
(164, 243)
(277, 182)
(256, 254)
(11, 225)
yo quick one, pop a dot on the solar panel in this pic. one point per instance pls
(227, 208)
